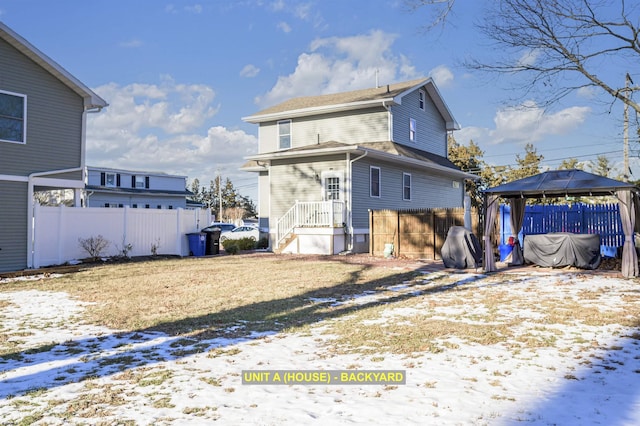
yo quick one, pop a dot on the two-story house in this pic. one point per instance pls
(324, 161)
(136, 189)
(43, 115)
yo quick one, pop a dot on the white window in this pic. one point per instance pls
(421, 96)
(110, 180)
(406, 186)
(140, 182)
(284, 134)
(374, 181)
(13, 117)
(332, 188)
(412, 129)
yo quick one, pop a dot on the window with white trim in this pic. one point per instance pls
(13, 117)
(412, 129)
(374, 181)
(421, 97)
(406, 186)
(110, 180)
(140, 181)
(284, 134)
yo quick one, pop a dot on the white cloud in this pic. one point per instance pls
(526, 123)
(196, 8)
(587, 92)
(277, 5)
(165, 128)
(133, 43)
(284, 27)
(442, 76)
(249, 70)
(529, 57)
(337, 64)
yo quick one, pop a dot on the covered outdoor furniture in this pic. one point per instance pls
(560, 249)
(461, 249)
(563, 183)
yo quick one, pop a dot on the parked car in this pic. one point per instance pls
(241, 232)
(223, 226)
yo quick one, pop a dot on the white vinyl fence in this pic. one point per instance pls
(57, 231)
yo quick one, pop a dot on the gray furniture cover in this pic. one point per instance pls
(563, 249)
(461, 249)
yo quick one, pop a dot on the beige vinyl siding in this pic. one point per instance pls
(295, 180)
(13, 228)
(53, 122)
(350, 127)
(428, 190)
(431, 133)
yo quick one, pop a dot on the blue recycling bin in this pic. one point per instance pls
(197, 243)
(505, 251)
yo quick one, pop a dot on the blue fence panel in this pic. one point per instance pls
(603, 219)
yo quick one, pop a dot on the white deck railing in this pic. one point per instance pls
(310, 214)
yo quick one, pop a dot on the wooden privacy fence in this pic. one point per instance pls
(416, 234)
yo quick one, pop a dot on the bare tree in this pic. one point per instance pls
(559, 46)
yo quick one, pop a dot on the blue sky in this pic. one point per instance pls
(179, 76)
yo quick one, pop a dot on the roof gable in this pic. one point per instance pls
(358, 99)
(91, 99)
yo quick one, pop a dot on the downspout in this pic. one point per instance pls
(350, 197)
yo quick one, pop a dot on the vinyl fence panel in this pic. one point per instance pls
(140, 232)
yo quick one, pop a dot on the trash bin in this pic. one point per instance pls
(505, 251)
(197, 243)
(213, 240)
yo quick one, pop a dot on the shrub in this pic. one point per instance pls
(94, 245)
(231, 247)
(263, 243)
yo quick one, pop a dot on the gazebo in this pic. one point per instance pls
(562, 183)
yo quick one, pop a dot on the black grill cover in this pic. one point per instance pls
(461, 249)
(563, 249)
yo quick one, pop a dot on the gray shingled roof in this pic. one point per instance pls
(364, 95)
(560, 183)
(386, 147)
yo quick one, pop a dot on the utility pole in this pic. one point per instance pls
(625, 150)
(220, 195)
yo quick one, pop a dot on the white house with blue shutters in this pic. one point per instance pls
(106, 187)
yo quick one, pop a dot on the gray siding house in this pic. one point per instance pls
(324, 161)
(43, 112)
(145, 190)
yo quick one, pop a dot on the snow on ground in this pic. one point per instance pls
(63, 371)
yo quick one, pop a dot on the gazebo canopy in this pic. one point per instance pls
(559, 183)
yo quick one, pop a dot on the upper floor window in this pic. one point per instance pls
(421, 97)
(406, 186)
(111, 179)
(374, 181)
(412, 129)
(13, 116)
(284, 134)
(140, 182)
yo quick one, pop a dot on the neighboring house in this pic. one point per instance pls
(43, 114)
(324, 161)
(136, 189)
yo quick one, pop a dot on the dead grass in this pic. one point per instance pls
(202, 298)
(204, 295)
